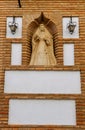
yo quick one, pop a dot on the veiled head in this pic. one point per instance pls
(42, 27)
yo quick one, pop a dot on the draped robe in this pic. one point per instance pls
(42, 48)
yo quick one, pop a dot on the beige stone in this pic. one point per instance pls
(42, 47)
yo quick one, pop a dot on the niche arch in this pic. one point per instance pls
(33, 26)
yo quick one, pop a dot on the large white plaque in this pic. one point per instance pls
(52, 82)
(42, 112)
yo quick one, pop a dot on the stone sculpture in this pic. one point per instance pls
(42, 47)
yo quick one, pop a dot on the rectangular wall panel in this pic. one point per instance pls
(68, 52)
(18, 33)
(16, 54)
(66, 33)
(42, 112)
(66, 82)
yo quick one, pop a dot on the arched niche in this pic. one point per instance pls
(34, 25)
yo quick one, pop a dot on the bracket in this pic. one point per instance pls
(19, 2)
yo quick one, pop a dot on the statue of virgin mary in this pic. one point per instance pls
(42, 47)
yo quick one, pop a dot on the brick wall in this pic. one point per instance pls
(54, 10)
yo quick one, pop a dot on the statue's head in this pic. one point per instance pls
(42, 27)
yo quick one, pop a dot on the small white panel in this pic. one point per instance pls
(66, 33)
(66, 82)
(18, 33)
(42, 112)
(68, 52)
(16, 54)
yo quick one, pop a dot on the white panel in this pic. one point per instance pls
(66, 82)
(42, 112)
(68, 54)
(66, 33)
(16, 54)
(18, 33)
